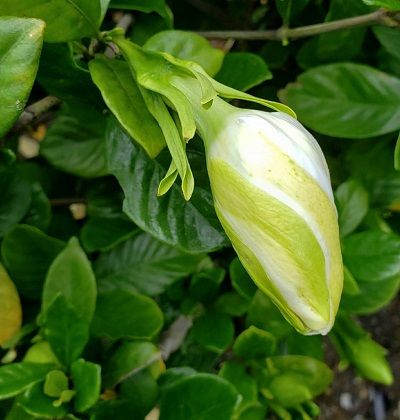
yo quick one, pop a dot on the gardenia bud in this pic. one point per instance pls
(273, 196)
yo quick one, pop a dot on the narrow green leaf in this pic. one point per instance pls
(79, 18)
(16, 377)
(123, 97)
(71, 275)
(21, 42)
(115, 319)
(87, 383)
(346, 100)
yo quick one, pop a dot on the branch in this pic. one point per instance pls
(174, 336)
(379, 17)
(34, 110)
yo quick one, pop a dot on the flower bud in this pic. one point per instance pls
(273, 196)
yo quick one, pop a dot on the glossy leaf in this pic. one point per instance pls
(17, 377)
(243, 70)
(143, 264)
(21, 42)
(78, 133)
(115, 318)
(346, 100)
(66, 331)
(122, 95)
(87, 382)
(352, 205)
(10, 308)
(372, 256)
(27, 253)
(187, 46)
(254, 343)
(139, 177)
(71, 275)
(198, 396)
(79, 18)
(147, 6)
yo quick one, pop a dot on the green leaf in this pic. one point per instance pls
(389, 38)
(246, 386)
(372, 256)
(65, 330)
(254, 411)
(87, 383)
(56, 382)
(143, 264)
(289, 8)
(62, 76)
(139, 177)
(293, 379)
(27, 253)
(243, 70)
(174, 374)
(305, 345)
(352, 205)
(121, 93)
(199, 396)
(147, 6)
(10, 309)
(187, 46)
(36, 403)
(214, 331)
(39, 214)
(254, 343)
(231, 303)
(241, 281)
(21, 42)
(115, 319)
(78, 132)
(16, 377)
(71, 275)
(79, 18)
(129, 359)
(205, 284)
(387, 4)
(346, 100)
(103, 234)
(397, 155)
(16, 196)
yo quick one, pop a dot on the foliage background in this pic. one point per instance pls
(103, 314)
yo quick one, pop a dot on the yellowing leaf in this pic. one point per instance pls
(10, 308)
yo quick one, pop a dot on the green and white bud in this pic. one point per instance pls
(273, 196)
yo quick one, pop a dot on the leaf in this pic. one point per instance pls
(192, 226)
(36, 403)
(397, 155)
(115, 319)
(16, 377)
(143, 264)
(61, 75)
(79, 18)
(243, 70)
(372, 256)
(121, 93)
(71, 275)
(16, 196)
(200, 396)
(27, 253)
(389, 38)
(204, 285)
(10, 308)
(346, 100)
(214, 331)
(231, 303)
(66, 331)
(103, 234)
(241, 281)
(254, 343)
(147, 6)
(187, 46)
(78, 132)
(21, 42)
(388, 4)
(288, 9)
(129, 359)
(56, 382)
(87, 382)
(352, 205)
(39, 214)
